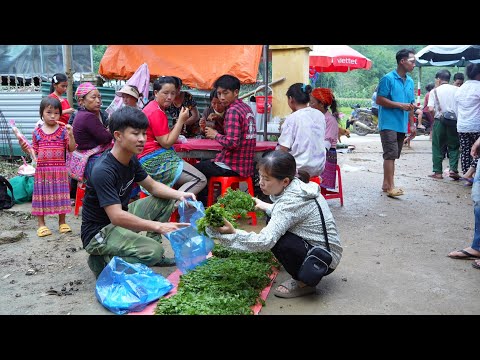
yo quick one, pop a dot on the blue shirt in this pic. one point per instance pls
(393, 87)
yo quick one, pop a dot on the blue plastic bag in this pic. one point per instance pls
(190, 248)
(122, 287)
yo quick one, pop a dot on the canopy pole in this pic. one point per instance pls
(265, 79)
(419, 89)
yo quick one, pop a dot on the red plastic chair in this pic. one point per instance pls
(331, 194)
(316, 179)
(233, 182)
(173, 218)
(79, 197)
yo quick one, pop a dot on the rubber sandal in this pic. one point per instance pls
(64, 228)
(43, 231)
(466, 255)
(293, 290)
(476, 265)
(395, 192)
(436, 176)
(454, 175)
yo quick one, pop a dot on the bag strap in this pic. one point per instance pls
(438, 101)
(323, 225)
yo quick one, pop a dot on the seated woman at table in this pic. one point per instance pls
(303, 131)
(213, 116)
(158, 157)
(191, 127)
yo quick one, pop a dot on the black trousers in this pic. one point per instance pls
(209, 169)
(290, 250)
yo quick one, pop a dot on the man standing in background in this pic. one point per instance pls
(395, 96)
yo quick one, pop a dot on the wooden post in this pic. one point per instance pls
(67, 50)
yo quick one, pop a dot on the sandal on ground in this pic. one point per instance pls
(464, 255)
(395, 192)
(436, 176)
(43, 231)
(165, 262)
(294, 290)
(64, 228)
(476, 264)
(454, 175)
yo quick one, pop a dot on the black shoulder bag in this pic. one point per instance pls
(317, 260)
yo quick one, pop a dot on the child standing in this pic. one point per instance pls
(51, 194)
(57, 89)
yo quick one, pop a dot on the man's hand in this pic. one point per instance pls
(167, 227)
(210, 133)
(183, 196)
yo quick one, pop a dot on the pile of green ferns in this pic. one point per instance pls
(230, 282)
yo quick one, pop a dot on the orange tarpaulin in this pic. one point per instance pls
(197, 65)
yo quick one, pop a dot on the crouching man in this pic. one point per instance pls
(110, 225)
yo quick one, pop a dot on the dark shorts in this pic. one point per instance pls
(392, 143)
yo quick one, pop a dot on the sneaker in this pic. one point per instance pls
(166, 261)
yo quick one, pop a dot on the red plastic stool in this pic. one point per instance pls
(173, 218)
(79, 197)
(316, 179)
(232, 182)
(331, 194)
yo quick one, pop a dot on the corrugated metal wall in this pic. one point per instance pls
(23, 108)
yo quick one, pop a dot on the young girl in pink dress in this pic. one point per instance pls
(51, 194)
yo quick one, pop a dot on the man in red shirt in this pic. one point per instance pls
(238, 144)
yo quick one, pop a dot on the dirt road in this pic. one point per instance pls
(394, 249)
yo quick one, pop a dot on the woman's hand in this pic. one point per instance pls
(227, 228)
(261, 205)
(184, 115)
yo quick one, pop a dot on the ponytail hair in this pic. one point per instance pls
(280, 164)
(57, 78)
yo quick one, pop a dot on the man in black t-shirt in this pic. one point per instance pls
(110, 225)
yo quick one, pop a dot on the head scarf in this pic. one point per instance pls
(324, 95)
(83, 89)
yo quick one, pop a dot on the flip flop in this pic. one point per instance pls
(294, 290)
(64, 228)
(476, 265)
(43, 231)
(466, 255)
(454, 175)
(395, 192)
(436, 176)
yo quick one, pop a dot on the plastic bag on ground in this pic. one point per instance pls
(123, 287)
(191, 249)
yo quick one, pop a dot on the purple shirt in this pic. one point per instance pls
(89, 131)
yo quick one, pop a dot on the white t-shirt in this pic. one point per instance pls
(303, 132)
(445, 93)
(467, 99)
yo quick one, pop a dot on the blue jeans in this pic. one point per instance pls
(476, 210)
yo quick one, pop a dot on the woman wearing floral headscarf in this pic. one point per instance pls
(321, 99)
(88, 128)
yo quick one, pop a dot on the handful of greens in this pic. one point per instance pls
(234, 204)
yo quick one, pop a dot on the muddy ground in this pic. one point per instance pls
(394, 258)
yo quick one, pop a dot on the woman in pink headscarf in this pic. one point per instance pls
(322, 99)
(91, 135)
